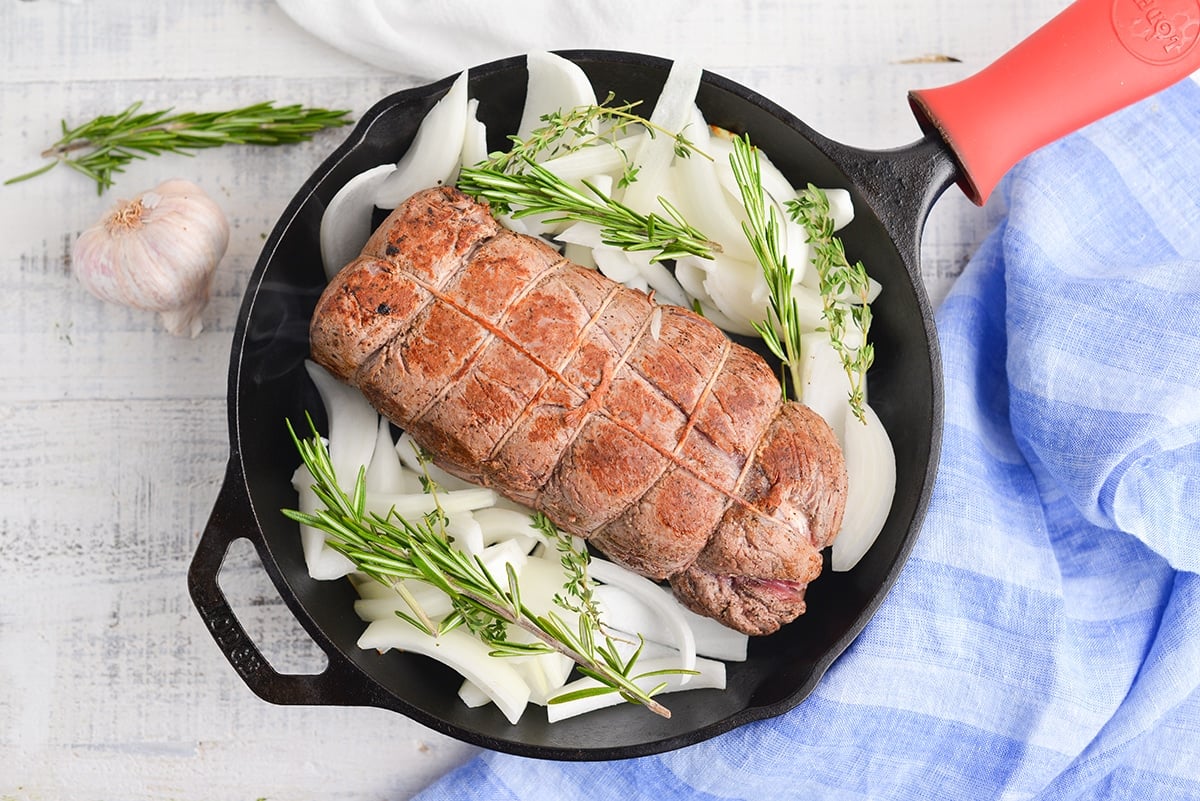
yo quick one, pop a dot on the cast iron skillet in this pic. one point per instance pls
(1097, 56)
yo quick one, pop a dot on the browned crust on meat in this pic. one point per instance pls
(640, 427)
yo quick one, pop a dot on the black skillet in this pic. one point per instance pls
(1095, 57)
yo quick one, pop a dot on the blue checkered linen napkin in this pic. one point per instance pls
(1043, 641)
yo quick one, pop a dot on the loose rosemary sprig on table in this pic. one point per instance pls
(837, 276)
(781, 332)
(107, 144)
(391, 549)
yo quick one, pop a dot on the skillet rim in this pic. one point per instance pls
(237, 466)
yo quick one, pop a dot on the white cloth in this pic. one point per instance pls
(430, 39)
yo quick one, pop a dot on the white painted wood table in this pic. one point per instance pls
(113, 433)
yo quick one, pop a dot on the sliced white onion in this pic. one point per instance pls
(579, 254)
(616, 265)
(675, 102)
(346, 221)
(691, 278)
(323, 563)
(655, 597)
(545, 674)
(628, 614)
(776, 185)
(672, 110)
(432, 601)
(585, 234)
(412, 505)
(702, 198)
(352, 424)
(508, 524)
(871, 470)
(466, 532)
(459, 650)
(717, 318)
(498, 557)
(799, 253)
(824, 387)
(737, 288)
(600, 159)
(474, 148)
(711, 674)
(385, 473)
(810, 308)
(841, 207)
(470, 694)
(554, 84)
(434, 157)
(542, 578)
(659, 278)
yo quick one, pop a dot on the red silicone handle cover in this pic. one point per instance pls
(1094, 58)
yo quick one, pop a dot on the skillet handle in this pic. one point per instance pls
(1094, 58)
(232, 518)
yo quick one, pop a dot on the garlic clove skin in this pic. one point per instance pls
(156, 252)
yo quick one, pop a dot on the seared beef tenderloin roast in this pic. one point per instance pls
(640, 427)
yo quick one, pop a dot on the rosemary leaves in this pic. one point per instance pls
(536, 190)
(837, 277)
(392, 549)
(781, 331)
(513, 182)
(105, 145)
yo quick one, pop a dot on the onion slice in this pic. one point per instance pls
(656, 598)
(459, 650)
(623, 612)
(672, 110)
(554, 84)
(346, 222)
(434, 155)
(352, 424)
(710, 674)
(871, 468)
(385, 473)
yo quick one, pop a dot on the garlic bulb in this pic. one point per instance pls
(156, 252)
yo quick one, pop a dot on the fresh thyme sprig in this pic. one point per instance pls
(838, 277)
(391, 549)
(536, 190)
(781, 331)
(107, 144)
(585, 126)
(577, 593)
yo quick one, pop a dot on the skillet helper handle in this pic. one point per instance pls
(1094, 58)
(231, 519)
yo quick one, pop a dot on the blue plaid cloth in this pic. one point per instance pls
(1043, 641)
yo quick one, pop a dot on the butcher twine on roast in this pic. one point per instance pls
(640, 427)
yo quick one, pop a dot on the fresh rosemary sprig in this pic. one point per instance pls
(838, 276)
(513, 182)
(104, 146)
(391, 549)
(536, 190)
(781, 331)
